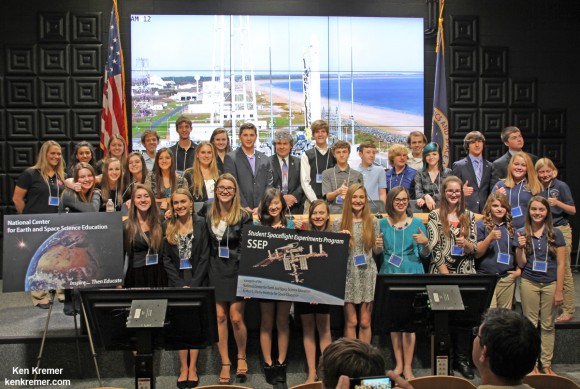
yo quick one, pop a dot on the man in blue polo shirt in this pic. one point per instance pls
(336, 180)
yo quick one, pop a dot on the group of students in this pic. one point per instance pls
(524, 230)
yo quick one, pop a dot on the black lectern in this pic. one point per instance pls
(402, 301)
(190, 323)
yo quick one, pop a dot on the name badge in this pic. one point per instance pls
(224, 252)
(456, 250)
(151, 259)
(319, 178)
(395, 260)
(503, 258)
(184, 264)
(360, 260)
(54, 201)
(541, 266)
(517, 212)
(339, 199)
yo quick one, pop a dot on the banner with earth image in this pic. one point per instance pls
(73, 250)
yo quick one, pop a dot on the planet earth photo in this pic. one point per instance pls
(66, 256)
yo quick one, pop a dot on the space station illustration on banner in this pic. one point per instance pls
(293, 265)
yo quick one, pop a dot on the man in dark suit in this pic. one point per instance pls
(251, 168)
(286, 172)
(513, 139)
(475, 172)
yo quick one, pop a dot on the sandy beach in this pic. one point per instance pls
(390, 121)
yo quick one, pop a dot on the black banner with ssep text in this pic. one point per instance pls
(293, 265)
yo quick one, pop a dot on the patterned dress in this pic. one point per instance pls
(360, 280)
(440, 246)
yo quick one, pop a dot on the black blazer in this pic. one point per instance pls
(252, 186)
(188, 177)
(199, 258)
(294, 186)
(464, 170)
(501, 164)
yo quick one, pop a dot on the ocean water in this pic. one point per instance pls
(403, 94)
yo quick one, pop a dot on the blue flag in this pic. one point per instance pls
(440, 125)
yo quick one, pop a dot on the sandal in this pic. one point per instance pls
(548, 370)
(225, 380)
(563, 318)
(242, 374)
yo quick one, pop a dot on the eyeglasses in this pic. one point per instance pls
(224, 189)
(453, 192)
(401, 201)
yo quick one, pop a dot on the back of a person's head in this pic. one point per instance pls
(513, 344)
(350, 357)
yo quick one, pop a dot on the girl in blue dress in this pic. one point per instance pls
(404, 241)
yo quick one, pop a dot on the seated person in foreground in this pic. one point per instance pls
(505, 350)
(351, 357)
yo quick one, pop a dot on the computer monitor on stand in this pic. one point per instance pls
(402, 300)
(190, 323)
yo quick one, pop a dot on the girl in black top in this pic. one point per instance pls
(202, 176)
(186, 256)
(225, 220)
(112, 184)
(136, 172)
(143, 241)
(315, 316)
(221, 142)
(38, 190)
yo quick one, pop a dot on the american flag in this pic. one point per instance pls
(114, 114)
(440, 124)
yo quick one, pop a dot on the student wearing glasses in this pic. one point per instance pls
(404, 241)
(453, 243)
(225, 219)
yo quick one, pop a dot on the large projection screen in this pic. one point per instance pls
(364, 75)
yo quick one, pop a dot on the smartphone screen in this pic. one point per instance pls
(370, 383)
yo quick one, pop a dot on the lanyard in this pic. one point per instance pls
(316, 159)
(56, 184)
(520, 184)
(497, 241)
(402, 241)
(336, 181)
(227, 238)
(395, 174)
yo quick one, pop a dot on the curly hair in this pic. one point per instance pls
(488, 218)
